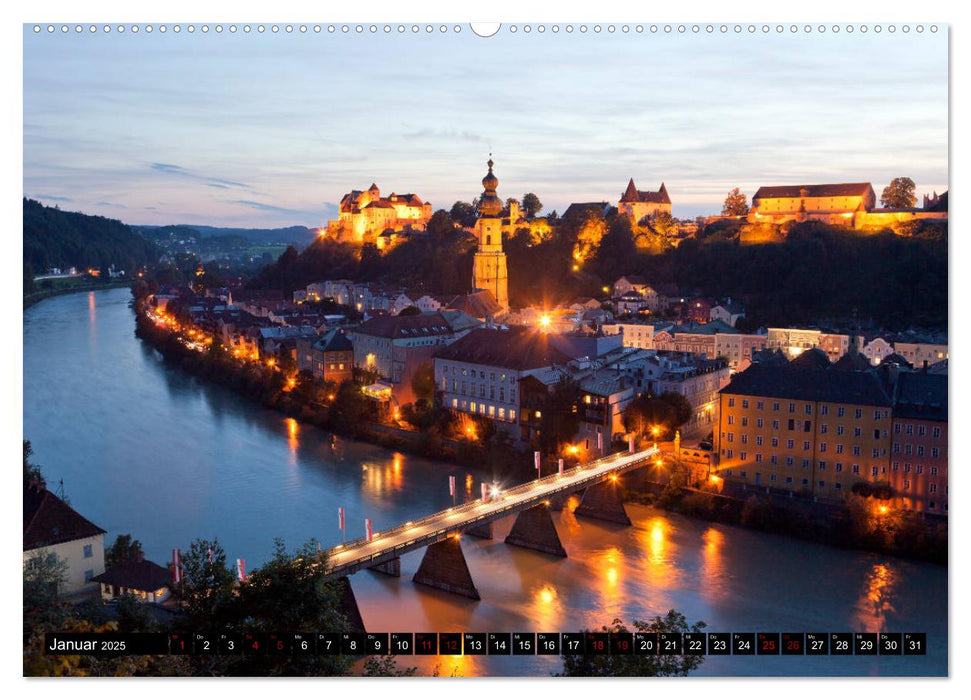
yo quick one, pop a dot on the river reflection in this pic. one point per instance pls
(146, 450)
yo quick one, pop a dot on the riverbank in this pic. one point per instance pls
(31, 299)
(342, 410)
(857, 524)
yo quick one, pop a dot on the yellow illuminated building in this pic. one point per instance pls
(809, 431)
(364, 215)
(489, 270)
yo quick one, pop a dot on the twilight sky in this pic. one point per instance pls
(271, 130)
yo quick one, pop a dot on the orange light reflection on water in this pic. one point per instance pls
(877, 598)
(713, 564)
(293, 439)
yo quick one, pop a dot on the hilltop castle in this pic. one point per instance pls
(637, 204)
(365, 215)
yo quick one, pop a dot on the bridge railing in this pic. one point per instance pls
(506, 504)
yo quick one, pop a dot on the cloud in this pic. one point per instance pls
(111, 204)
(216, 184)
(170, 169)
(53, 198)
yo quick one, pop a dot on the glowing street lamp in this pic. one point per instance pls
(545, 321)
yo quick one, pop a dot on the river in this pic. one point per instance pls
(144, 449)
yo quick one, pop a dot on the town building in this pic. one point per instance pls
(807, 430)
(793, 341)
(728, 312)
(918, 471)
(635, 334)
(384, 344)
(363, 215)
(489, 270)
(53, 529)
(481, 372)
(329, 358)
(145, 580)
(920, 354)
(876, 349)
(638, 204)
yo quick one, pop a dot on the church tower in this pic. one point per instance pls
(489, 268)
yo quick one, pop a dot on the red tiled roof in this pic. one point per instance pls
(846, 189)
(516, 348)
(405, 326)
(632, 194)
(48, 520)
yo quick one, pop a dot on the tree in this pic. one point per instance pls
(423, 382)
(681, 405)
(662, 223)
(207, 585)
(463, 213)
(531, 205)
(643, 414)
(736, 204)
(410, 311)
(44, 574)
(123, 549)
(631, 665)
(31, 471)
(899, 194)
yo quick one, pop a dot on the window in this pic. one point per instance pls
(743, 456)
(933, 488)
(790, 444)
(729, 455)
(822, 447)
(838, 467)
(775, 405)
(920, 450)
(744, 403)
(906, 484)
(809, 409)
(874, 470)
(805, 446)
(744, 421)
(908, 449)
(876, 451)
(839, 448)
(839, 429)
(792, 424)
(805, 464)
(88, 553)
(88, 575)
(789, 461)
(896, 448)
(858, 413)
(857, 432)
(921, 430)
(805, 482)
(896, 428)
(760, 405)
(743, 473)
(840, 411)
(775, 442)
(758, 440)
(731, 401)
(920, 468)
(910, 429)
(856, 450)
(933, 471)
(731, 420)
(512, 414)
(822, 465)
(824, 410)
(856, 468)
(774, 459)
(731, 437)
(906, 467)
(937, 432)
(807, 426)
(838, 485)
(823, 428)
(772, 477)
(788, 479)
(758, 422)
(758, 456)
(775, 425)
(792, 408)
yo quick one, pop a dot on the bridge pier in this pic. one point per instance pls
(444, 567)
(603, 502)
(483, 532)
(392, 567)
(348, 605)
(534, 529)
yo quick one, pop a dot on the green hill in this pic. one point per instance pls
(55, 238)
